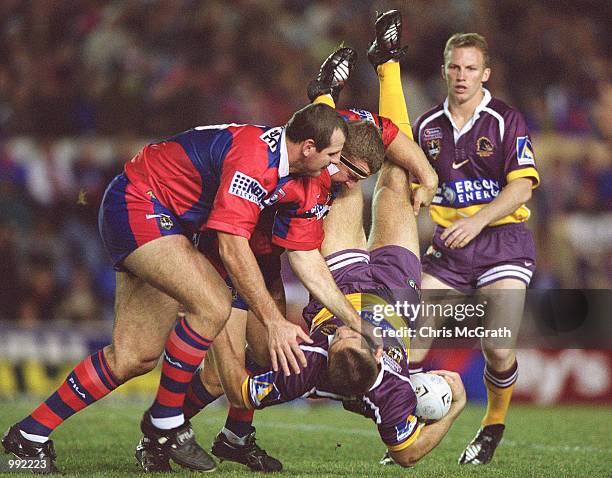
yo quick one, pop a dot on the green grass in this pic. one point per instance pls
(326, 441)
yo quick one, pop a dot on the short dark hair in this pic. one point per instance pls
(365, 142)
(466, 40)
(317, 122)
(352, 371)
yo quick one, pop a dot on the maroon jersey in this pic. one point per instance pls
(390, 402)
(474, 164)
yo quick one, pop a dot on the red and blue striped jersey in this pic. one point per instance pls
(214, 177)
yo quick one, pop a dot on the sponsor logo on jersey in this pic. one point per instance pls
(458, 165)
(248, 188)
(272, 137)
(364, 115)
(524, 151)
(405, 428)
(433, 148)
(465, 192)
(319, 211)
(390, 363)
(484, 147)
(275, 197)
(432, 133)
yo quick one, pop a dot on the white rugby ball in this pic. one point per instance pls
(433, 395)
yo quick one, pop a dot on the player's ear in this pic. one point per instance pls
(378, 354)
(308, 147)
(486, 74)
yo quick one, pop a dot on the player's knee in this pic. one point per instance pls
(215, 311)
(127, 366)
(499, 359)
(235, 400)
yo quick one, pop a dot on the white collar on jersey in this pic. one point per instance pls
(283, 165)
(467, 126)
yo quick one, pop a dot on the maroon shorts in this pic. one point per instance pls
(500, 252)
(392, 269)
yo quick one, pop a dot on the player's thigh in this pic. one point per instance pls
(430, 282)
(393, 221)
(173, 265)
(344, 222)
(141, 311)
(505, 301)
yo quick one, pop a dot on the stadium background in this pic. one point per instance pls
(85, 83)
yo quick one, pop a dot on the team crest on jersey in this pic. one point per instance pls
(364, 115)
(395, 353)
(405, 428)
(524, 151)
(433, 148)
(248, 188)
(276, 196)
(432, 133)
(272, 137)
(484, 147)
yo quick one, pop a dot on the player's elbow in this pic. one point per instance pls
(405, 459)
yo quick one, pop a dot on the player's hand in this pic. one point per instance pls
(455, 384)
(283, 340)
(422, 196)
(461, 232)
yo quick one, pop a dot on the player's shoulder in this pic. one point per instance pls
(504, 109)
(430, 115)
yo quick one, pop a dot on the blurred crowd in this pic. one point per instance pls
(84, 83)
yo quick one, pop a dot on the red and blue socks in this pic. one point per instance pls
(184, 352)
(87, 383)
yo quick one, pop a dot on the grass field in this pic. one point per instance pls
(327, 441)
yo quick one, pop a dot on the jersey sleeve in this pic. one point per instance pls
(396, 402)
(261, 390)
(519, 158)
(389, 130)
(245, 181)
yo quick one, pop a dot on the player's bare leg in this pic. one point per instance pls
(505, 302)
(169, 264)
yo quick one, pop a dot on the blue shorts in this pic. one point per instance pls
(129, 218)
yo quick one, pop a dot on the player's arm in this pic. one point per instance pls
(516, 193)
(312, 271)
(406, 153)
(431, 435)
(246, 276)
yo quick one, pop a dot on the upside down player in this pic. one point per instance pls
(481, 150)
(215, 177)
(362, 155)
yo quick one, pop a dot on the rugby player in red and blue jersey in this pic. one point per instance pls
(215, 178)
(481, 149)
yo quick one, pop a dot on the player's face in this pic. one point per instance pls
(344, 337)
(316, 161)
(351, 171)
(465, 73)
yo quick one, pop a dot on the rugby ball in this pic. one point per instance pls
(433, 395)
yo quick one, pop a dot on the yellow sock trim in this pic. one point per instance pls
(391, 103)
(324, 99)
(498, 402)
